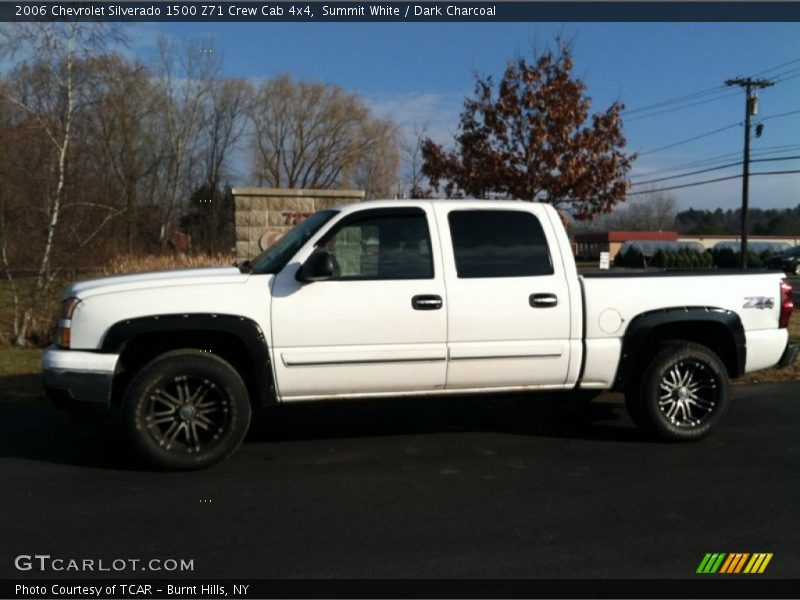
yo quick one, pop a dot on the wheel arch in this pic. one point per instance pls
(718, 329)
(237, 340)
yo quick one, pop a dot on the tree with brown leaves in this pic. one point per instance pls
(531, 137)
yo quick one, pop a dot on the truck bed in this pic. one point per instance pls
(613, 298)
(619, 273)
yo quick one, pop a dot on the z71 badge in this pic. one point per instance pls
(758, 302)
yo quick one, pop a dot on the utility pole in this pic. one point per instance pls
(750, 109)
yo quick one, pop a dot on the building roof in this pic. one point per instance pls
(624, 236)
(733, 236)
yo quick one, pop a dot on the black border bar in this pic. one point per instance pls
(709, 586)
(421, 11)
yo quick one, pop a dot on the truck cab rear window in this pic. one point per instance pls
(498, 243)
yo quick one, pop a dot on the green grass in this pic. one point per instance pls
(20, 361)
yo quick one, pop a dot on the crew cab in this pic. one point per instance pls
(407, 298)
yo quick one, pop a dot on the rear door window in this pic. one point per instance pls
(498, 243)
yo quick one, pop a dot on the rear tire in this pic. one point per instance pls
(682, 394)
(186, 410)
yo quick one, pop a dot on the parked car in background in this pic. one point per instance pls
(788, 261)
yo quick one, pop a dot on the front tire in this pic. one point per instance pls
(683, 393)
(186, 410)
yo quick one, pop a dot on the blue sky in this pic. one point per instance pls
(419, 73)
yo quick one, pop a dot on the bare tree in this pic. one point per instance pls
(45, 91)
(653, 211)
(87, 135)
(224, 123)
(122, 133)
(185, 79)
(413, 177)
(311, 135)
(12, 284)
(376, 169)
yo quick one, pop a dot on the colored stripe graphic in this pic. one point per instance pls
(741, 562)
(711, 562)
(703, 563)
(734, 563)
(726, 565)
(758, 563)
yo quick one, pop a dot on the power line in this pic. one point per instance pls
(786, 114)
(791, 62)
(708, 133)
(784, 73)
(716, 159)
(787, 172)
(707, 181)
(727, 166)
(768, 149)
(681, 107)
(777, 159)
(685, 185)
(676, 100)
(709, 91)
(787, 78)
(691, 139)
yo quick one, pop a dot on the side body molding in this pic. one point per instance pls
(243, 329)
(693, 321)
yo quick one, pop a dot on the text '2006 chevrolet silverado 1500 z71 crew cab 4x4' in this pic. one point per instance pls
(407, 298)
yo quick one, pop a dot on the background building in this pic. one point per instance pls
(588, 246)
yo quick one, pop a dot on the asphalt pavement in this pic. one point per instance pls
(485, 487)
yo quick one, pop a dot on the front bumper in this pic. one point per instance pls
(79, 381)
(789, 355)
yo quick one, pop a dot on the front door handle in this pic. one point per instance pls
(426, 302)
(543, 300)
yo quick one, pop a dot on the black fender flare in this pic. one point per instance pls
(245, 330)
(634, 342)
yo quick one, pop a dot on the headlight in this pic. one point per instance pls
(63, 328)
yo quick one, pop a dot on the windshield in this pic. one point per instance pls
(274, 258)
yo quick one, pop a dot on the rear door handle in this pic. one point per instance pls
(426, 302)
(543, 300)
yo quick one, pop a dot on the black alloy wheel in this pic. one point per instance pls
(682, 394)
(187, 409)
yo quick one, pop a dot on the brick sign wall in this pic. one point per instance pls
(263, 215)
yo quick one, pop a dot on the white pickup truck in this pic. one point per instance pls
(402, 298)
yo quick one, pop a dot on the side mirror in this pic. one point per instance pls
(318, 267)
